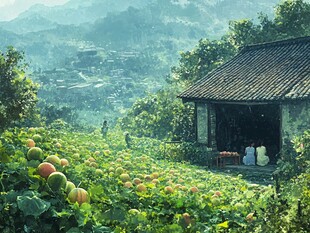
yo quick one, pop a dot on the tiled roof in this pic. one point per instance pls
(266, 72)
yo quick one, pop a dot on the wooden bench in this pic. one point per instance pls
(221, 160)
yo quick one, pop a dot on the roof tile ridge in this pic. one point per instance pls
(290, 41)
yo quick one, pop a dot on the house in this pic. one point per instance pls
(262, 93)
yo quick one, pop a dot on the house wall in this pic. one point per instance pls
(202, 123)
(206, 124)
(212, 127)
(295, 120)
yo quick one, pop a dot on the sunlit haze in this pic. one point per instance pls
(9, 9)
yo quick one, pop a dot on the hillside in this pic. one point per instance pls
(75, 12)
(134, 43)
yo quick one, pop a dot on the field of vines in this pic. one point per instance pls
(57, 180)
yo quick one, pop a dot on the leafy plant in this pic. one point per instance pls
(288, 207)
(18, 94)
(197, 200)
(52, 113)
(160, 116)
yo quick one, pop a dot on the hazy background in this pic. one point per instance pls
(10, 9)
(95, 58)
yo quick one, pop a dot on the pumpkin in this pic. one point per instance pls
(168, 189)
(128, 184)
(137, 181)
(37, 138)
(78, 195)
(194, 189)
(119, 170)
(31, 130)
(141, 188)
(53, 159)
(69, 186)
(45, 169)
(93, 164)
(186, 218)
(57, 181)
(35, 153)
(218, 193)
(147, 177)
(98, 172)
(30, 143)
(64, 162)
(155, 175)
(155, 181)
(124, 177)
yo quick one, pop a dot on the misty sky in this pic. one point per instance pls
(9, 9)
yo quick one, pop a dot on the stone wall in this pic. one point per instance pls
(295, 120)
(212, 127)
(206, 124)
(202, 123)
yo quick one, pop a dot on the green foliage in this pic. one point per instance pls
(206, 56)
(292, 19)
(192, 152)
(51, 113)
(161, 116)
(26, 202)
(295, 158)
(17, 92)
(32, 205)
(28, 205)
(288, 207)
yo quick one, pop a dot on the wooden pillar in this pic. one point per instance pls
(212, 127)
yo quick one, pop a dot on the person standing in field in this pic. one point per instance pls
(104, 129)
(128, 140)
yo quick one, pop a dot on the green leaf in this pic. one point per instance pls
(174, 228)
(63, 214)
(33, 206)
(115, 214)
(34, 186)
(4, 158)
(223, 224)
(179, 203)
(102, 229)
(96, 190)
(250, 194)
(74, 230)
(86, 207)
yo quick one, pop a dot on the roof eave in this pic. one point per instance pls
(240, 102)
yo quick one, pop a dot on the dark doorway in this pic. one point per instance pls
(237, 125)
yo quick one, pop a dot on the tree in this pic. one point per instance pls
(162, 116)
(292, 19)
(18, 94)
(205, 57)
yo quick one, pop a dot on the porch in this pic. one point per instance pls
(253, 174)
